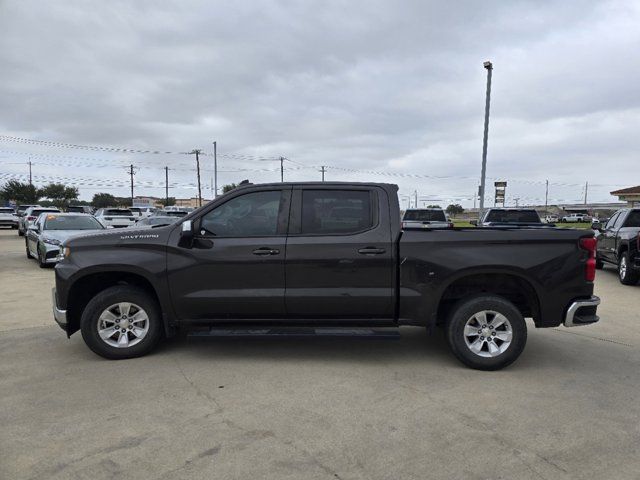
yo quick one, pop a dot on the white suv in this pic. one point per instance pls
(116, 217)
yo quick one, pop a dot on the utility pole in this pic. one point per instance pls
(197, 153)
(323, 169)
(546, 197)
(415, 194)
(517, 199)
(131, 173)
(166, 186)
(30, 178)
(489, 67)
(586, 189)
(215, 168)
(282, 169)
(475, 197)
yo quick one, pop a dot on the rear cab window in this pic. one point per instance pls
(430, 215)
(513, 216)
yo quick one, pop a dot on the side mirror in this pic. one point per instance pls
(34, 228)
(186, 234)
(473, 222)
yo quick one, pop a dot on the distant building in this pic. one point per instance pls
(630, 195)
(190, 202)
(146, 202)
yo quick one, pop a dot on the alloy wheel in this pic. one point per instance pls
(488, 333)
(123, 325)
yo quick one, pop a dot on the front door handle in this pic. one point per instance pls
(266, 251)
(371, 251)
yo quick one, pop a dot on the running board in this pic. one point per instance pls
(360, 332)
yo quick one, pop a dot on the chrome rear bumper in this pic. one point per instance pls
(582, 312)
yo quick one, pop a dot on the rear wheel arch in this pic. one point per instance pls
(508, 285)
(88, 286)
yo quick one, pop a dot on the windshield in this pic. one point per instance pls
(425, 216)
(75, 209)
(633, 220)
(513, 216)
(71, 222)
(157, 221)
(118, 213)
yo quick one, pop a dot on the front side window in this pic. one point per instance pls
(327, 212)
(250, 215)
(612, 220)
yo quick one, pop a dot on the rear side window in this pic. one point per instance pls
(326, 212)
(633, 220)
(425, 216)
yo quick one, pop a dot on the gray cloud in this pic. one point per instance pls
(385, 86)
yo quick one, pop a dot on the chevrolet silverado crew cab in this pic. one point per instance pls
(619, 244)
(322, 257)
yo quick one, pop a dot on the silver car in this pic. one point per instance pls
(8, 217)
(45, 236)
(30, 215)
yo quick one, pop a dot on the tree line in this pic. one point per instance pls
(61, 196)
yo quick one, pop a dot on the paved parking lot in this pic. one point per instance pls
(314, 408)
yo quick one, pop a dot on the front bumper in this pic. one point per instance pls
(60, 316)
(582, 312)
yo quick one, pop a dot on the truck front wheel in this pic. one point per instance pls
(486, 332)
(121, 322)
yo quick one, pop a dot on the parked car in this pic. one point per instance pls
(171, 213)
(80, 209)
(155, 220)
(551, 218)
(429, 218)
(30, 215)
(142, 211)
(576, 218)
(282, 255)
(8, 217)
(47, 233)
(510, 217)
(619, 244)
(116, 217)
(20, 209)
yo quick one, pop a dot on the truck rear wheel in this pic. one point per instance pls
(121, 322)
(486, 332)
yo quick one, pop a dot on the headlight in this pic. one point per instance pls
(63, 253)
(51, 241)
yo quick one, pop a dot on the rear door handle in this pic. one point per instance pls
(371, 251)
(266, 251)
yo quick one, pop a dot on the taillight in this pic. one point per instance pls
(30, 218)
(589, 244)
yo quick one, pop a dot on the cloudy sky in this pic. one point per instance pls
(374, 90)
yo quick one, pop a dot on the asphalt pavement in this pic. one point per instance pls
(347, 408)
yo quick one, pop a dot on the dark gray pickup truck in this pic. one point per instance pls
(619, 244)
(327, 258)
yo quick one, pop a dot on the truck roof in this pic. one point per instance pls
(319, 184)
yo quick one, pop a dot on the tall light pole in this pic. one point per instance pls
(215, 169)
(489, 66)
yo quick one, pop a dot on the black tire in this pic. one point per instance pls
(628, 276)
(111, 296)
(26, 246)
(599, 264)
(464, 310)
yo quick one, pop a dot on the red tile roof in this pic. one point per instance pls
(630, 190)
